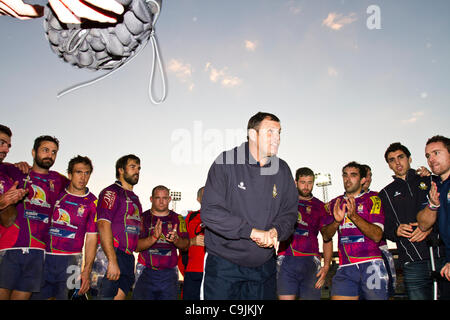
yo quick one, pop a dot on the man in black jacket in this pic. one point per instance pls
(402, 199)
(249, 205)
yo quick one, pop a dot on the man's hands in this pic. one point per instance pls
(198, 240)
(445, 271)
(71, 11)
(433, 195)
(338, 211)
(172, 236)
(321, 276)
(20, 10)
(407, 231)
(12, 196)
(157, 230)
(265, 239)
(113, 270)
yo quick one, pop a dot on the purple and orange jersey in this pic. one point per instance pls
(30, 229)
(5, 184)
(123, 209)
(311, 218)
(353, 245)
(73, 217)
(383, 242)
(162, 254)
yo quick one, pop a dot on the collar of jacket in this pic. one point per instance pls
(249, 159)
(411, 174)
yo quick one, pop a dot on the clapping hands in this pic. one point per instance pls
(265, 239)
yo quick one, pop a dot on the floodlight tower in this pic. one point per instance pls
(176, 196)
(323, 180)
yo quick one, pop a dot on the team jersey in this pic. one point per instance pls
(73, 216)
(5, 184)
(163, 254)
(123, 210)
(353, 245)
(303, 242)
(196, 254)
(382, 243)
(30, 229)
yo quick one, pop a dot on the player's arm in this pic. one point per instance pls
(370, 230)
(148, 240)
(8, 216)
(327, 256)
(337, 214)
(428, 215)
(90, 249)
(106, 241)
(181, 243)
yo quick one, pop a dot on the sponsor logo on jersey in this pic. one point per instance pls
(108, 200)
(38, 198)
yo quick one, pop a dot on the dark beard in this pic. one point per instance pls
(45, 163)
(131, 179)
(309, 195)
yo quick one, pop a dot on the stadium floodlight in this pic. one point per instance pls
(176, 196)
(323, 180)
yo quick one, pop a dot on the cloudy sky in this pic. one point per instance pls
(346, 78)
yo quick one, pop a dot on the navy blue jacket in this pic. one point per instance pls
(444, 213)
(240, 195)
(402, 200)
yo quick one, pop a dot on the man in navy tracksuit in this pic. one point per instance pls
(249, 205)
(437, 152)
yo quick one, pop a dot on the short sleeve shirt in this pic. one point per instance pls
(123, 210)
(311, 218)
(163, 254)
(353, 245)
(73, 216)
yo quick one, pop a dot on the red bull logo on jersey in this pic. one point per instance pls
(38, 197)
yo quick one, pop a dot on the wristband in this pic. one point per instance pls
(153, 236)
(432, 207)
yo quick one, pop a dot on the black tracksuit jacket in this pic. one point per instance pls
(402, 200)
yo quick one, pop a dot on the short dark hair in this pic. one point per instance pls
(255, 120)
(438, 138)
(40, 139)
(160, 187)
(395, 147)
(6, 130)
(79, 159)
(302, 172)
(366, 166)
(354, 164)
(122, 162)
